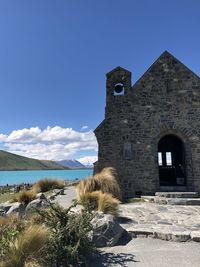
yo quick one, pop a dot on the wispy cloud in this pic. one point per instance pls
(84, 128)
(54, 143)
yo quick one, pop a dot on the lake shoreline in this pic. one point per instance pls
(32, 176)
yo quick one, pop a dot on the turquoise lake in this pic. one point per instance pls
(18, 177)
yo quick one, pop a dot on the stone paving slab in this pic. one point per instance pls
(175, 223)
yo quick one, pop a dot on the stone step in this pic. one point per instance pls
(172, 201)
(177, 194)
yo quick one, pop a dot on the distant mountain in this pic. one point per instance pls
(72, 164)
(12, 162)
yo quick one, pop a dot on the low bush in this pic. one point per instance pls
(45, 185)
(26, 196)
(70, 241)
(99, 201)
(105, 181)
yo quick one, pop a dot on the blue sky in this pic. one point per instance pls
(54, 56)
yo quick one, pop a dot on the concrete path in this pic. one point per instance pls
(66, 199)
(148, 252)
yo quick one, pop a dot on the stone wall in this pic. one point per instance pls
(165, 100)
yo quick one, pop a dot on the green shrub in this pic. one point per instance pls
(69, 236)
(45, 185)
(26, 196)
(105, 181)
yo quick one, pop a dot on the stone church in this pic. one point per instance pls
(151, 130)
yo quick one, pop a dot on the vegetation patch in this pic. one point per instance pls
(8, 197)
(105, 181)
(26, 196)
(45, 185)
(99, 201)
(53, 237)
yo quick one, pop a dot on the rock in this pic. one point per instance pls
(107, 231)
(16, 208)
(195, 236)
(2, 212)
(52, 197)
(62, 191)
(41, 196)
(6, 206)
(56, 191)
(36, 204)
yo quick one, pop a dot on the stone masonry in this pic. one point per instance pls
(165, 101)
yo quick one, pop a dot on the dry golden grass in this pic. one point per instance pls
(103, 202)
(27, 248)
(45, 185)
(107, 203)
(90, 199)
(105, 181)
(11, 220)
(26, 196)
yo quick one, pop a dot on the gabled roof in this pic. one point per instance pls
(117, 69)
(170, 58)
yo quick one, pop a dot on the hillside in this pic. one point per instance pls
(10, 161)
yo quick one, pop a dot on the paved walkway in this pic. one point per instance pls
(167, 222)
(148, 252)
(177, 223)
(144, 219)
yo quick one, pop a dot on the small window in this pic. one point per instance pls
(160, 163)
(127, 151)
(168, 158)
(119, 89)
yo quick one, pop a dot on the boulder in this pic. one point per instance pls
(2, 212)
(36, 204)
(16, 208)
(106, 230)
(6, 206)
(40, 196)
(62, 191)
(56, 191)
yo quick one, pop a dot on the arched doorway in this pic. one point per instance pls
(171, 161)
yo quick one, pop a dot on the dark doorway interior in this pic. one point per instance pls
(171, 161)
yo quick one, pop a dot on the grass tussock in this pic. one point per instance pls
(27, 248)
(45, 185)
(104, 181)
(11, 220)
(99, 201)
(26, 196)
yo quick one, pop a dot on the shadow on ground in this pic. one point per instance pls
(111, 259)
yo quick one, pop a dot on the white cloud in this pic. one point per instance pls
(53, 143)
(83, 128)
(88, 160)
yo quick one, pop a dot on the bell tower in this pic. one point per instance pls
(118, 85)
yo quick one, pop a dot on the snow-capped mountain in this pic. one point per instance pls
(72, 164)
